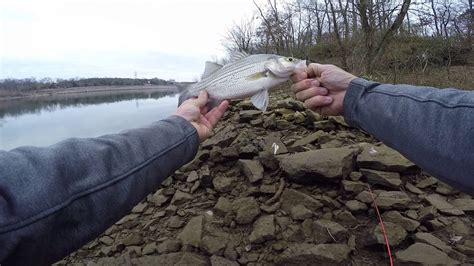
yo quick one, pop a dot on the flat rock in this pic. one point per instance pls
(308, 139)
(273, 144)
(413, 189)
(427, 182)
(247, 115)
(133, 239)
(178, 258)
(221, 261)
(397, 218)
(159, 199)
(356, 206)
(300, 212)
(246, 210)
(383, 158)
(263, 229)
(192, 232)
(353, 186)
(387, 179)
(193, 176)
(310, 254)
(222, 207)
(466, 205)
(432, 240)
(442, 205)
(252, 169)
(291, 197)
(175, 222)
(324, 231)
(309, 167)
(392, 199)
(222, 138)
(395, 234)
(223, 183)
(212, 245)
(181, 197)
(421, 253)
(169, 246)
(365, 197)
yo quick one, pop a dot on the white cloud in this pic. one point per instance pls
(168, 39)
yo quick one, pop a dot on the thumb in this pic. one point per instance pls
(315, 69)
(201, 100)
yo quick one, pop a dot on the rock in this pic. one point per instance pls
(193, 176)
(427, 213)
(306, 167)
(324, 231)
(181, 197)
(248, 151)
(139, 208)
(273, 144)
(465, 249)
(325, 125)
(459, 228)
(308, 139)
(263, 229)
(222, 138)
(291, 197)
(221, 261)
(107, 240)
(223, 183)
(392, 199)
(424, 254)
(175, 222)
(383, 158)
(169, 246)
(356, 206)
(293, 233)
(171, 210)
(133, 239)
(178, 258)
(387, 179)
(426, 182)
(345, 217)
(268, 189)
(252, 169)
(445, 189)
(300, 212)
(246, 210)
(149, 249)
(192, 232)
(395, 234)
(309, 254)
(290, 103)
(432, 240)
(158, 199)
(212, 245)
(270, 209)
(396, 218)
(312, 116)
(410, 187)
(355, 176)
(247, 115)
(466, 205)
(222, 207)
(442, 205)
(355, 187)
(364, 197)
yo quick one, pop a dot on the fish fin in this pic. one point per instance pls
(211, 103)
(257, 76)
(210, 68)
(260, 100)
(237, 55)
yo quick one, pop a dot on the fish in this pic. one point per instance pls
(242, 77)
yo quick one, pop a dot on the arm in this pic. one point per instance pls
(53, 200)
(432, 127)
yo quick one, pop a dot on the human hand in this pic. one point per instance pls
(195, 111)
(322, 88)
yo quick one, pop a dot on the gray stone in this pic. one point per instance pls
(324, 231)
(270, 142)
(466, 205)
(459, 228)
(356, 206)
(445, 189)
(427, 213)
(139, 208)
(308, 139)
(222, 138)
(396, 218)
(309, 254)
(133, 239)
(222, 207)
(410, 187)
(352, 186)
(465, 249)
(393, 199)
(247, 115)
(212, 245)
(383, 158)
(175, 222)
(421, 253)
(395, 234)
(291, 197)
(263, 229)
(107, 240)
(355, 176)
(178, 258)
(149, 249)
(192, 232)
(293, 233)
(158, 199)
(300, 212)
(221, 261)
(193, 176)
(442, 205)
(427, 182)
(332, 164)
(246, 210)
(169, 246)
(345, 217)
(252, 169)
(364, 197)
(181, 197)
(268, 189)
(223, 183)
(432, 240)
(387, 179)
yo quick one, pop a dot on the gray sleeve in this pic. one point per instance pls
(55, 199)
(432, 127)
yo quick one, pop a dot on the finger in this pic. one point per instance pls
(201, 100)
(311, 92)
(298, 76)
(204, 110)
(216, 114)
(305, 84)
(318, 101)
(315, 70)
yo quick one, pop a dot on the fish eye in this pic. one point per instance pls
(290, 59)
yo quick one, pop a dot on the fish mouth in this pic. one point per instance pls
(285, 72)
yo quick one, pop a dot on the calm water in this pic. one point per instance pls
(51, 120)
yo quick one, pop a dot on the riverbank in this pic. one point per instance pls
(289, 187)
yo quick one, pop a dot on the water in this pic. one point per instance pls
(45, 122)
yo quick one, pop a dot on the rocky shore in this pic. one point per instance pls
(289, 187)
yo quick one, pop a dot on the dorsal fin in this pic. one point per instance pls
(210, 68)
(237, 55)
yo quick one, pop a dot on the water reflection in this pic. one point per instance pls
(51, 120)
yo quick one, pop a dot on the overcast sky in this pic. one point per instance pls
(169, 39)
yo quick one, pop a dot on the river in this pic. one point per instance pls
(45, 121)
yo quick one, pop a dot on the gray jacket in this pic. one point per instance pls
(53, 200)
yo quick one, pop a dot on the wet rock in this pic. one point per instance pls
(169, 246)
(309, 254)
(149, 249)
(424, 254)
(466, 205)
(181, 197)
(432, 240)
(442, 205)
(246, 210)
(223, 183)
(395, 234)
(212, 245)
(291, 197)
(263, 229)
(193, 176)
(355, 187)
(178, 258)
(410, 187)
(324, 231)
(192, 232)
(306, 167)
(427, 182)
(356, 206)
(221, 261)
(222, 207)
(387, 179)
(133, 239)
(393, 199)
(383, 158)
(252, 169)
(396, 218)
(308, 139)
(300, 212)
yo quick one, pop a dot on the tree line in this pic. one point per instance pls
(30, 84)
(360, 35)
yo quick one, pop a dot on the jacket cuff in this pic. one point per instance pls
(190, 132)
(357, 88)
